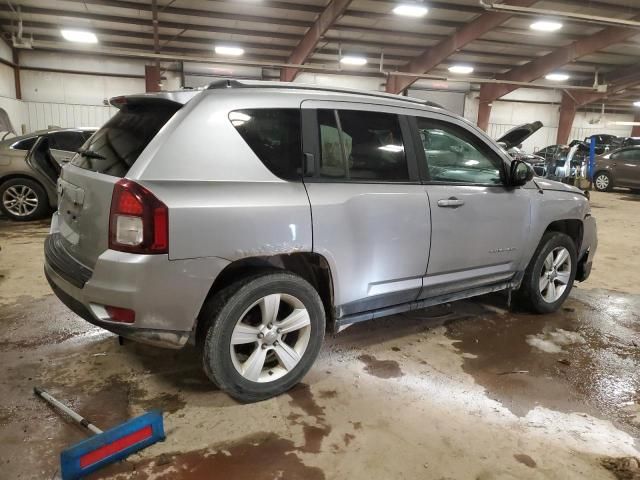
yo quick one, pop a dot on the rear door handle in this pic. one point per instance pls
(451, 202)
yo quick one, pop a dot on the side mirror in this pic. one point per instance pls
(520, 173)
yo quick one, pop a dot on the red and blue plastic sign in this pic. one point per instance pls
(112, 445)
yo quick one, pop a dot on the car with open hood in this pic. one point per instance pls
(512, 143)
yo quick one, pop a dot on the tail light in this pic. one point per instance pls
(138, 222)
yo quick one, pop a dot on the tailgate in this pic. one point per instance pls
(84, 202)
(86, 184)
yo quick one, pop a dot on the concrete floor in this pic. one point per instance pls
(463, 391)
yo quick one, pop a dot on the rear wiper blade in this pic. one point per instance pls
(91, 154)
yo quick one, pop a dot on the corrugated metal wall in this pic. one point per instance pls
(42, 115)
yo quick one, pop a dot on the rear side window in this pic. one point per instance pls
(25, 144)
(115, 147)
(274, 136)
(361, 146)
(68, 141)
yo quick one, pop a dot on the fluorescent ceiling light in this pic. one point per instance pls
(81, 36)
(353, 60)
(636, 104)
(626, 124)
(465, 69)
(229, 51)
(557, 77)
(546, 26)
(411, 10)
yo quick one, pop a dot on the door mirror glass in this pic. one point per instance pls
(521, 173)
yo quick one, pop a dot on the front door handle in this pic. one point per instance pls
(451, 202)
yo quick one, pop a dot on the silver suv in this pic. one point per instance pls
(250, 217)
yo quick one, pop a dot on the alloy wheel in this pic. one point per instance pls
(555, 274)
(270, 338)
(20, 200)
(602, 182)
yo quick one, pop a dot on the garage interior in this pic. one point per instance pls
(473, 389)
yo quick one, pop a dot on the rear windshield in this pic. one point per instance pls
(114, 148)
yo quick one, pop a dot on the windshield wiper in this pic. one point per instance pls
(91, 154)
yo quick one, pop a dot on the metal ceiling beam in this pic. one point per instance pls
(475, 48)
(194, 13)
(217, 15)
(35, 28)
(557, 59)
(58, 14)
(435, 55)
(620, 80)
(334, 10)
(546, 64)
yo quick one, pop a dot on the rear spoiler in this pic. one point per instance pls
(179, 97)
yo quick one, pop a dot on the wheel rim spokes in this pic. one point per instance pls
(602, 182)
(269, 307)
(243, 334)
(270, 338)
(252, 367)
(20, 200)
(555, 274)
(287, 356)
(298, 319)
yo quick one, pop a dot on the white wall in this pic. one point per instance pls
(74, 99)
(70, 99)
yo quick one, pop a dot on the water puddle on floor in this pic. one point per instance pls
(583, 358)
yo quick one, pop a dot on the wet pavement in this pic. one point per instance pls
(469, 390)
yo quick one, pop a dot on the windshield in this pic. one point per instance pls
(114, 148)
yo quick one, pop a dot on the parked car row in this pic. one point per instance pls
(617, 161)
(27, 192)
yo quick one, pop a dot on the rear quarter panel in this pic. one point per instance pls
(222, 200)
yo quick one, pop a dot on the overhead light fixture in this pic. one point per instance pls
(229, 51)
(557, 77)
(353, 60)
(625, 124)
(636, 104)
(464, 69)
(411, 10)
(80, 36)
(546, 26)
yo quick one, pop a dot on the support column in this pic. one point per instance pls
(567, 115)
(16, 74)
(484, 107)
(635, 131)
(152, 78)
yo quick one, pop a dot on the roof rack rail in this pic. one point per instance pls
(232, 83)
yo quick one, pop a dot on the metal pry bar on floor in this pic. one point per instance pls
(106, 447)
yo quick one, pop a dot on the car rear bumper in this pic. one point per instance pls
(166, 295)
(588, 248)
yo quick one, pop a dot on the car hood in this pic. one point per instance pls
(546, 184)
(519, 134)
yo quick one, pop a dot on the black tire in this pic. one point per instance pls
(606, 180)
(529, 294)
(43, 201)
(222, 312)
